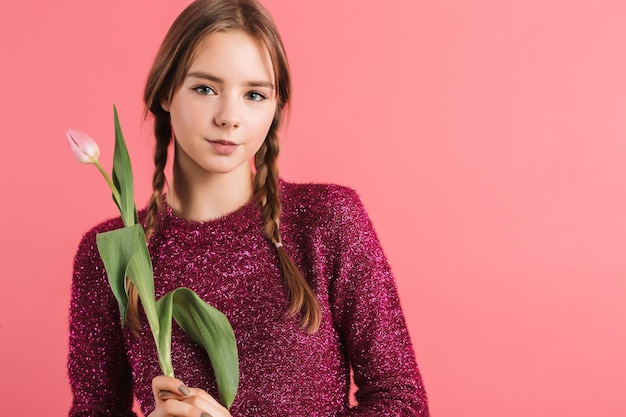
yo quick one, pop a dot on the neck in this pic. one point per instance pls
(210, 196)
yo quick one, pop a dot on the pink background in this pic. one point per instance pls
(487, 139)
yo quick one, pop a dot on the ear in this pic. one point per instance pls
(165, 104)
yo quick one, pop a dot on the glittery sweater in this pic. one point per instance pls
(230, 264)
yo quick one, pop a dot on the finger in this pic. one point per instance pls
(192, 392)
(165, 387)
(176, 408)
(207, 403)
(197, 392)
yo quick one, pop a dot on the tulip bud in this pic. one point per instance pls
(83, 147)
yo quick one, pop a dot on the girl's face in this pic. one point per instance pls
(223, 110)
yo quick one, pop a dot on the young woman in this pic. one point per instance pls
(296, 268)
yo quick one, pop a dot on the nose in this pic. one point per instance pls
(228, 113)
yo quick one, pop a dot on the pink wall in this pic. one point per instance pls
(486, 137)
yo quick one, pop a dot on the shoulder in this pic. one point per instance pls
(105, 226)
(87, 252)
(87, 246)
(330, 212)
(319, 198)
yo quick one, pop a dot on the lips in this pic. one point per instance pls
(223, 147)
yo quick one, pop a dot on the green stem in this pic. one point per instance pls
(107, 178)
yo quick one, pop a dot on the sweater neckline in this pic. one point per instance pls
(240, 219)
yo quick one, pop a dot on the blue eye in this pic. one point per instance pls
(204, 90)
(255, 96)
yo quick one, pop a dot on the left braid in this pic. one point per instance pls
(267, 192)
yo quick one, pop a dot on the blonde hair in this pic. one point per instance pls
(168, 71)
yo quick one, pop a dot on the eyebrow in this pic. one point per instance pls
(209, 77)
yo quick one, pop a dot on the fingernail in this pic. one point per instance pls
(205, 415)
(164, 393)
(183, 389)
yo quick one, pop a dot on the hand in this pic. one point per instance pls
(174, 399)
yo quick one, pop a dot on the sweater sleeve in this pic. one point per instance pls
(367, 312)
(99, 373)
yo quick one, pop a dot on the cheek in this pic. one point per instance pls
(184, 119)
(264, 121)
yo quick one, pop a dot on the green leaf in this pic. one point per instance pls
(125, 254)
(123, 175)
(210, 328)
(116, 251)
(164, 344)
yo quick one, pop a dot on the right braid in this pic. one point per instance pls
(163, 135)
(302, 297)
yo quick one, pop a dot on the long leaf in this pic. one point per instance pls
(164, 308)
(116, 250)
(125, 255)
(123, 175)
(210, 328)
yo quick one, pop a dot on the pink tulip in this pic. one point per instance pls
(83, 147)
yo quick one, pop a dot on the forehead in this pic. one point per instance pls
(233, 56)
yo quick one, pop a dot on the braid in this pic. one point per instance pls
(163, 134)
(266, 188)
(303, 298)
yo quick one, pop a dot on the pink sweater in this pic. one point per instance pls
(230, 264)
